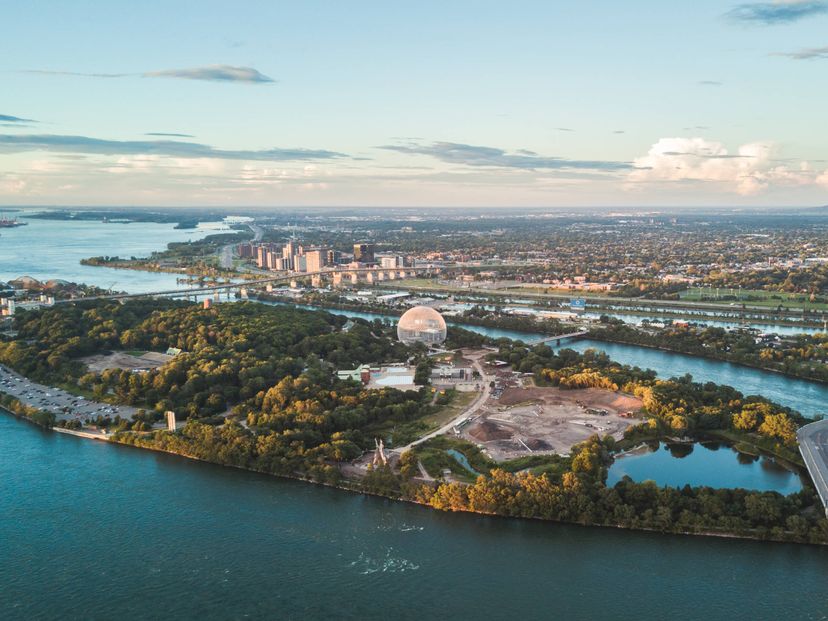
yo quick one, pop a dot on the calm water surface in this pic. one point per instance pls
(709, 464)
(92, 531)
(47, 249)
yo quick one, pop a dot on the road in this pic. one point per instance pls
(561, 337)
(469, 411)
(276, 278)
(813, 444)
(226, 254)
(603, 301)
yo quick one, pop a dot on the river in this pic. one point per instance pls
(47, 249)
(809, 398)
(92, 531)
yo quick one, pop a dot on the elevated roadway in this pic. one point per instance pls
(561, 337)
(269, 280)
(813, 444)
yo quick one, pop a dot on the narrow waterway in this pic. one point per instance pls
(808, 398)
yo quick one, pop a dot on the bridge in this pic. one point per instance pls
(813, 444)
(354, 273)
(561, 337)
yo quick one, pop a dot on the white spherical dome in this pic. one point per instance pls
(422, 324)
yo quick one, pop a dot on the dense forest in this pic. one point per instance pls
(255, 383)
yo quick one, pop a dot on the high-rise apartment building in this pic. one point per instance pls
(364, 252)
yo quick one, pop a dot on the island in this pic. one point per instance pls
(344, 402)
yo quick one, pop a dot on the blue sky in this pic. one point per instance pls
(550, 103)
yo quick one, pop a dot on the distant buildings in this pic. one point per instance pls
(364, 253)
(290, 256)
(315, 260)
(391, 262)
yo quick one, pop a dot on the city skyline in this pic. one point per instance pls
(474, 104)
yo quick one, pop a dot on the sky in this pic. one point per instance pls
(449, 103)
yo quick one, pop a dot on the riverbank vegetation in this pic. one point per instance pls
(475, 316)
(800, 355)
(676, 407)
(256, 386)
(196, 258)
(39, 417)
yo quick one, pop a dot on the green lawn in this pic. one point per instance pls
(403, 433)
(752, 297)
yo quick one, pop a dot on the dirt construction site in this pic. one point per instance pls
(128, 362)
(522, 421)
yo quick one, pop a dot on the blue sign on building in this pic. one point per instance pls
(577, 304)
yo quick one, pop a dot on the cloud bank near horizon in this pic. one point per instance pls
(8, 118)
(210, 73)
(475, 155)
(11, 143)
(810, 53)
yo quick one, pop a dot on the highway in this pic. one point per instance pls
(226, 253)
(813, 444)
(604, 301)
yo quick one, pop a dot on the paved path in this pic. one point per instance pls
(813, 444)
(469, 411)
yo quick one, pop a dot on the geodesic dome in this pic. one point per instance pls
(422, 324)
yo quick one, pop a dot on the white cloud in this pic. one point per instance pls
(12, 184)
(750, 170)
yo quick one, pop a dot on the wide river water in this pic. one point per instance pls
(95, 531)
(47, 249)
(90, 530)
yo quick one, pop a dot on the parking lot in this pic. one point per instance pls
(64, 405)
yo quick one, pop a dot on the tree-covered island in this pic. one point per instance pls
(257, 387)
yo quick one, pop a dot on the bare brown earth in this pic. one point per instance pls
(547, 420)
(128, 362)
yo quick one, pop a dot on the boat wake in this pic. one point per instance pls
(388, 564)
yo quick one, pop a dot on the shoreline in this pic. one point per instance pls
(352, 489)
(593, 336)
(590, 335)
(383, 313)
